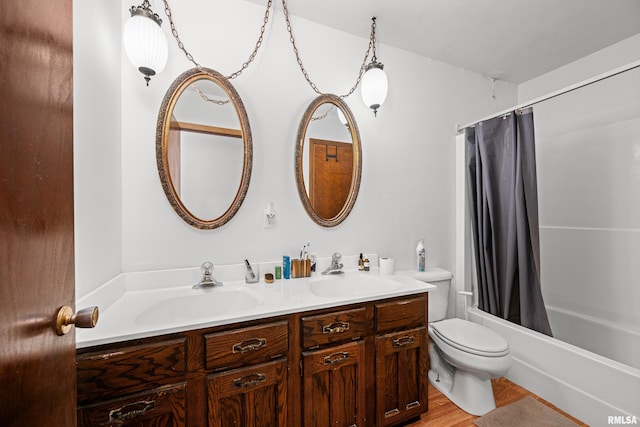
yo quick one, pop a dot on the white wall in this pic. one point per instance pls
(407, 189)
(96, 142)
(612, 57)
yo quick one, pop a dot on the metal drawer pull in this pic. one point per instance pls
(391, 413)
(132, 410)
(335, 358)
(249, 380)
(249, 345)
(412, 405)
(335, 328)
(403, 341)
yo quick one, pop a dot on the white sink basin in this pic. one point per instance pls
(346, 285)
(199, 304)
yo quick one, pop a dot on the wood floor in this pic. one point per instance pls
(443, 413)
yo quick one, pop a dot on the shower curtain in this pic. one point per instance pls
(504, 208)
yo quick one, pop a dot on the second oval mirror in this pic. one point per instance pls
(204, 148)
(328, 160)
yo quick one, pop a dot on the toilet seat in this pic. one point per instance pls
(471, 337)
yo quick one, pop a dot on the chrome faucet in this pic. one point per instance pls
(207, 281)
(336, 264)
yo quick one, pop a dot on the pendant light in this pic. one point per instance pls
(144, 41)
(374, 84)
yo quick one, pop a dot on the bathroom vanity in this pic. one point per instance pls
(339, 361)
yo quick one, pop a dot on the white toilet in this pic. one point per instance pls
(464, 355)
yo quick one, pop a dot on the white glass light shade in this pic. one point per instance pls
(146, 45)
(341, 117)
(374, 86)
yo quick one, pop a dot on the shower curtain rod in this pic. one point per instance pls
(615, 72)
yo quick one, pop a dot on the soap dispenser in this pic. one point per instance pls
(421, 255)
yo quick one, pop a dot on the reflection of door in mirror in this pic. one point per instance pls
(330, 175)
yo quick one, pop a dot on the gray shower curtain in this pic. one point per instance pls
(504, 208)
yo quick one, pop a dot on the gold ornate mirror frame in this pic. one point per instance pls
(162, 150)
(357, 160)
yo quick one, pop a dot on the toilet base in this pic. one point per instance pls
(469, 391)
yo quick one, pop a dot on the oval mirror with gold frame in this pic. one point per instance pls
(204, 149)
(328, 160)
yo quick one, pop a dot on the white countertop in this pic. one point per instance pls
(133, 308)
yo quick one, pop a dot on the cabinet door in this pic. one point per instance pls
(401, 376)
(161, 407)
(254, 396)
(334, 387)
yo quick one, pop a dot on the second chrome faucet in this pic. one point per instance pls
(336, 264)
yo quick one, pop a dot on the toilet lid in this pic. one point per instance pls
(471, 337)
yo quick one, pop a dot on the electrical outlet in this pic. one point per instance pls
(269, 216)
(269, 220)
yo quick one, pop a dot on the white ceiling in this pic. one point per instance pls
(512, 40)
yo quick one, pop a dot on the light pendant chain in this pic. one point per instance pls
(245, 65)
(174, 31)
(304, 72)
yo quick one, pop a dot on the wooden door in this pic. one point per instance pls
(333, 390)
(255, 396)
(330, 176)
(37, 367)
(401, 376)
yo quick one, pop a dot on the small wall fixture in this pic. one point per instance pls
(374, 82)
(144, 41)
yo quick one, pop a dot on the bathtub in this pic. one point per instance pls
(597, 390)
(607, 339)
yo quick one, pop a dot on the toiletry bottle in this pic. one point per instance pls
(314, 258)
(366, 263)
(286, 267)
(421, 255)
(361, 263)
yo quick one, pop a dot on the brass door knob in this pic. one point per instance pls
(85, 318)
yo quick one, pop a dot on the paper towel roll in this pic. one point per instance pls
(386, 266)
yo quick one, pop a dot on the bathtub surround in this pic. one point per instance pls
(504, 213)
(582, 383)
(589, 187)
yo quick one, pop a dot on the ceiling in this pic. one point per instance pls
(511, 40)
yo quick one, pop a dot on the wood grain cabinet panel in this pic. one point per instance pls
(255, 396)
(160, 407)
(334, 386)
(401, 372)
(104, 374)
(243, 346)
(335, 327)
(401, 314)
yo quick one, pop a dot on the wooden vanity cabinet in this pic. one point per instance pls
(402, 361)
(256, 393)
(333, 368)
(359, 365)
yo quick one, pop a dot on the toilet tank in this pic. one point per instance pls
(438, 298)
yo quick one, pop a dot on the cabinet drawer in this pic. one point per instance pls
(110, 373)
(334, 327)
(401, 314)
(244, 346)
(162, 406)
